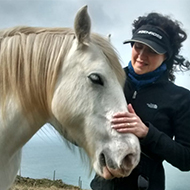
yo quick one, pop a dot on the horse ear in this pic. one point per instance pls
(109, 37)
(82, 26)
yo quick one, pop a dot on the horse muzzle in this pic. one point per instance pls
(110, 169)
(118, 160)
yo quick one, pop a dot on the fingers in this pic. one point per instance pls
(120, 114)
(123, 120)
(125, 127)
(125, 114)
(130, 108)
(126, 130)
(121, 125)
(124, 117)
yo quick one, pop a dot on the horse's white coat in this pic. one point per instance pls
(87, 94)
(12, 137)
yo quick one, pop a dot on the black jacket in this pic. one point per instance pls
(165, 109)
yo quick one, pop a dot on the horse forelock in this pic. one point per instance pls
(30, 59)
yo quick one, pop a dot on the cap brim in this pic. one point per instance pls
(154, 46)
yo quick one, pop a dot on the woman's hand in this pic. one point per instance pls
(129, 122)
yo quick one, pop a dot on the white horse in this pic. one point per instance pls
(71, 79)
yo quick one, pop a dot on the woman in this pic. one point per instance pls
(159, 111)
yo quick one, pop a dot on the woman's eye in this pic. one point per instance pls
(96, 79)
(152, 51)
(146, 49)
(138, 46)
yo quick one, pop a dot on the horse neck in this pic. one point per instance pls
(16, 129)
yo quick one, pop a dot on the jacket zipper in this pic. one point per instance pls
(134, 95)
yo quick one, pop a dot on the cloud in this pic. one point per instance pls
(111, 16)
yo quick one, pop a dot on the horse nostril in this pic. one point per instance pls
(106, 160)
(102, 159)
(127, 161)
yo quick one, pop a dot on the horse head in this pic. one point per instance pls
(88, 91)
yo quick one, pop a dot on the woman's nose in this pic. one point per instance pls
(142, 52)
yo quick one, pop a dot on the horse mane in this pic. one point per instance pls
(27, 51)
(111, 54)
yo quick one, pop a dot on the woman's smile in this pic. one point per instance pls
(141, 63)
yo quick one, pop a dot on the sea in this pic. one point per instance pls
(47, 155)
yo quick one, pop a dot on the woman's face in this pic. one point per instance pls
(144, 59)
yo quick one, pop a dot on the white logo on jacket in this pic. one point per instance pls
(152, 106)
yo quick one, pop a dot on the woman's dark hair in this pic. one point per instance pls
(176, 36)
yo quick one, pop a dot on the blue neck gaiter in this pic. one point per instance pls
(145, 79)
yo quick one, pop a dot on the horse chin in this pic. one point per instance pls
(106, 174)
(109, 173)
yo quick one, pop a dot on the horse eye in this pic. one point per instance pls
(96, 79)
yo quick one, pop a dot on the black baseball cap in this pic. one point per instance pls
(154, 37)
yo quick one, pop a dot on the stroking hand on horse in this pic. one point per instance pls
(129, 122)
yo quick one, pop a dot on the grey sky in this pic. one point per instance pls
(108, 16)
